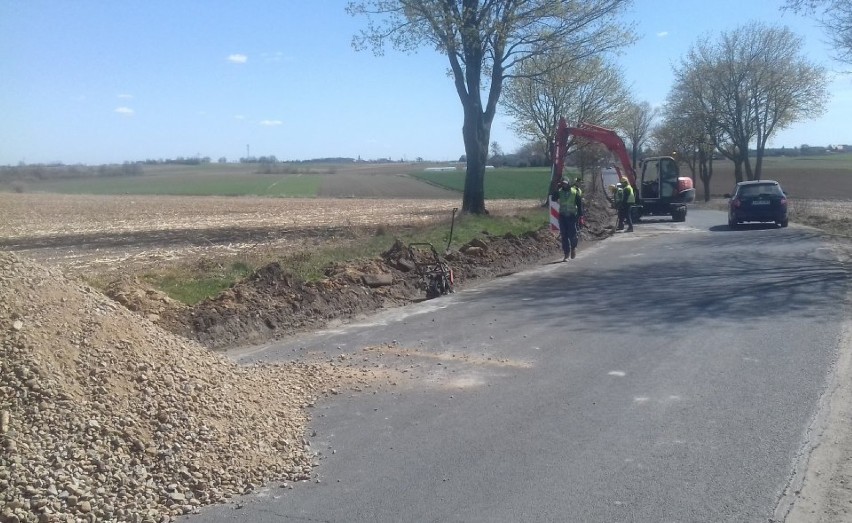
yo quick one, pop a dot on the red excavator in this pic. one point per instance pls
(660, 189)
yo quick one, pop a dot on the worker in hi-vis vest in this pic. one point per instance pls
(625, 198)
(571, 215)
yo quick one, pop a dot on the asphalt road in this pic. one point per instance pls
(667, 375)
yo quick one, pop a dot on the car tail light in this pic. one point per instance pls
(783, 202)
(736, 203)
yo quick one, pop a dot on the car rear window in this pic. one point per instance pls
(762, 189)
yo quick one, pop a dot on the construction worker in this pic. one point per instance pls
(617, 193)
(571, 215)
(625, 198)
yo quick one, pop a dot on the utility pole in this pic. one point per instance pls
(248, 155)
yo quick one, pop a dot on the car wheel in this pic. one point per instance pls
(784, 222)
(732, 224)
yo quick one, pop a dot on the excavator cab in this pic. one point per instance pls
(659, 178)
(662, 191)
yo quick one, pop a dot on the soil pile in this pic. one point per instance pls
(272, 302)
(106, 417)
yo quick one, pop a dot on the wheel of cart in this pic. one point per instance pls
(435, 274)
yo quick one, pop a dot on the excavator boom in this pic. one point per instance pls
(606, 137)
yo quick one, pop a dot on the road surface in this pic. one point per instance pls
(673, 374)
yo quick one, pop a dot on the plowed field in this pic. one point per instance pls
(81, 233)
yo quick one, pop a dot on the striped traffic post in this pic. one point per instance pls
(554, 215)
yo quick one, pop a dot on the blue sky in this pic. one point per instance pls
(110, 81)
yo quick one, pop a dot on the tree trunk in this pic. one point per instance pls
(709, 175)
(705, 172)
(635, 155)
(738, 169)
(758, 163)
(476, 139)
(705, 181)
(747, 162)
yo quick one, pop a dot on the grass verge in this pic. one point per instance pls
(193, 282)
(192, 286)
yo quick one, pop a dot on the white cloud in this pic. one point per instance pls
(126, 111)
(271, 123)
(125, 96)
(237, 58)
(663, 34)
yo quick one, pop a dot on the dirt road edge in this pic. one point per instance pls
(819, 490)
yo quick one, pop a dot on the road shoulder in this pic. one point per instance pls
(822, 491)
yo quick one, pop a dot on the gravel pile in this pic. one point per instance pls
(105, 417)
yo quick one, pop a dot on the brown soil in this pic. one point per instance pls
(84, 234)
(801, 183)
(119, 237)
(273, 302)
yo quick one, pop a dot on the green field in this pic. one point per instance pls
(803, 174)
(503, 183)
(243, 180)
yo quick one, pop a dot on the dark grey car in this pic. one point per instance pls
(757, 201)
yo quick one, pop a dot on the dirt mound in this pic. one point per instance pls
(273, 303)
(144, 300)
(105, 417)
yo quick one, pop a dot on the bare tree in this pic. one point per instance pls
(587, 90)
(750, 84)
(496, 150)
(836, 18)
(689, 135)
(486, 41)
(637, 123)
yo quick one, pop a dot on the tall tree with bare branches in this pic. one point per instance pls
(638, 121)
(751, 83)
(586, 90)
(486, 41)
(688, 133)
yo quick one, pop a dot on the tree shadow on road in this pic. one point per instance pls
(732, 283)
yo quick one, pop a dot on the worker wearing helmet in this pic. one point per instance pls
(570, 198)
(615, 190)
(625, 199)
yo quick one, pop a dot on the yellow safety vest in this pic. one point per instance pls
(568, 201)
(630, 195)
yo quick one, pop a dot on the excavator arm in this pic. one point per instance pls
(606, 137)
